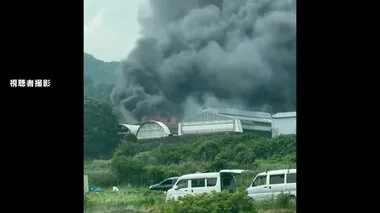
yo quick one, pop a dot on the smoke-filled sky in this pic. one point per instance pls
(199, 53)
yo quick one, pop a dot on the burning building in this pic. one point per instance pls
(154, 129)
(213, 120)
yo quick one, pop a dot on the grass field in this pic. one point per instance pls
(126, 198)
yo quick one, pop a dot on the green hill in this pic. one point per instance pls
(99, 78)
(98, 71)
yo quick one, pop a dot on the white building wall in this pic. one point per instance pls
(179, 128)
(257, 126)
(188, 128)
(207, 122)
(150, 130)
(237, 126)
(283, 126)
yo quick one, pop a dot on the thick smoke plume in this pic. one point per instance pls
(197, 53)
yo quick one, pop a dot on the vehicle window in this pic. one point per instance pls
(197, 183)
(260, 180)
(183, 184)
(211, 181)
(291, 178)
(167, 182)
(277, 179)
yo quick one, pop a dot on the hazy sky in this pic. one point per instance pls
(110, 28)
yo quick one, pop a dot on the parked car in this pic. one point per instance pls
(270, 184)
(164, 185)
(199, 183)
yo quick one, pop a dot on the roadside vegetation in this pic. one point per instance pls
(141, 200)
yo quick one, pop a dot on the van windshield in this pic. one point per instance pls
(183, 184)
(167, 182)
(260, 180)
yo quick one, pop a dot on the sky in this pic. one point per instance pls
(111, 28)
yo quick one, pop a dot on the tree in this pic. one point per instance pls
(88, 81)
(127, 148)
(127, 169)
(100, 129)
(98, 91)
(130, 138)
(209, 150)
(245, 157)
(239, 148)
(220, 161)
(244, 154)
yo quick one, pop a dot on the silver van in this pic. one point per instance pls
(270, 184)
(199, 183)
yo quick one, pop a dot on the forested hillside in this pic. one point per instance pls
(99, 78)
(100, 72)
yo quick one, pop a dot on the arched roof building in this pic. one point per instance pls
(129, 128)
(152, 129)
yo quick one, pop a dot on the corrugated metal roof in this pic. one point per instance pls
(285, 115)
(132, 128)
(241, 113)
(263, 120)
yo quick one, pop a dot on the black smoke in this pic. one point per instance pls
(195, 53)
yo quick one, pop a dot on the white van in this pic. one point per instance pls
(268, 185)
(199, 183)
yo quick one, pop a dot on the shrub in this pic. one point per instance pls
(282, 201)
(128, 170)
(127, 148)
(215, 202)
(102, 178)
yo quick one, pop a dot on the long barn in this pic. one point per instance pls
(213, 120)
